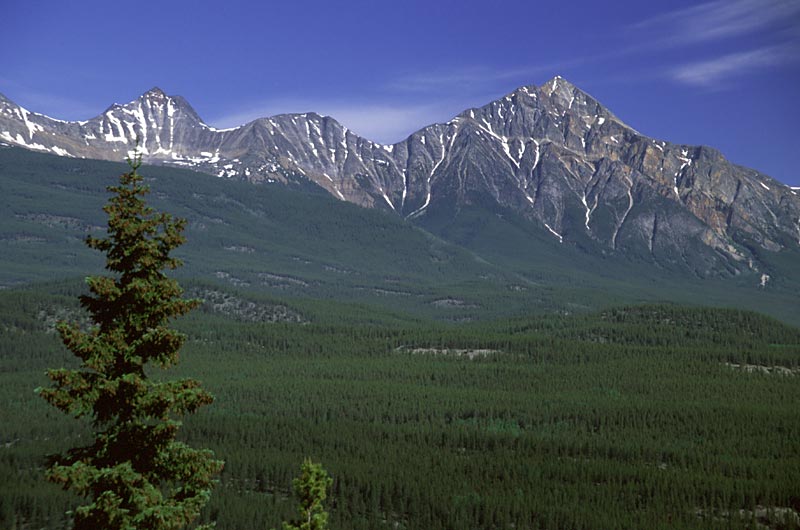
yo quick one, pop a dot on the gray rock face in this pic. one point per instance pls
(553, 154)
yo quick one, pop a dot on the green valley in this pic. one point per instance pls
(461, 371)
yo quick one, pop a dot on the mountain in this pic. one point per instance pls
(551, 155)
(305, 247)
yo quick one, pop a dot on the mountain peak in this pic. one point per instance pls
(560, 86)
(558, 80)
(154, 92)
(158, 97)
(551, 153)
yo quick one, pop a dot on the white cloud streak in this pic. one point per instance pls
(472, 77)
(436, 96)
(409, 102)
(406, 103)
(52, 105)
(377, 121)
(720, 19)
(713, 72)
(480, 78)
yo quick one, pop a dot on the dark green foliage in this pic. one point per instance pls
(626, 418)
(311, 489)
(640, 416)
(135, 474)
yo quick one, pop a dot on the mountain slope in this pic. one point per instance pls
(454, 263)
(281, 241)
(552, 154)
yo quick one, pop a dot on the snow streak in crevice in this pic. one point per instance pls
(430, 176)
(625, 215)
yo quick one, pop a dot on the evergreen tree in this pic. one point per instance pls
(135, 475)
(311, 488)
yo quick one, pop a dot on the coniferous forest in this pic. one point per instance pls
(655, 416)
(401, 363)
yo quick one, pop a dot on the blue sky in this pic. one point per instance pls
(724, 73)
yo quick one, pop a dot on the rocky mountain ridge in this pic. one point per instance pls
(551, 154)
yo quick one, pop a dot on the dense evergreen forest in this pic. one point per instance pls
(656, 416)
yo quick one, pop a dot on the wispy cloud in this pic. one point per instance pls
(711, 73)
(720, 19)
(408, 102)
(477, 78)
(378, 121)
(53, 105)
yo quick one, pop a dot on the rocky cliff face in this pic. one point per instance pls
(552, 154)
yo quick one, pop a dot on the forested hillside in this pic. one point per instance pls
(655, 416)
(474, 262)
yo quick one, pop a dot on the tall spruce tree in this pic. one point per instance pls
(135, 475)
